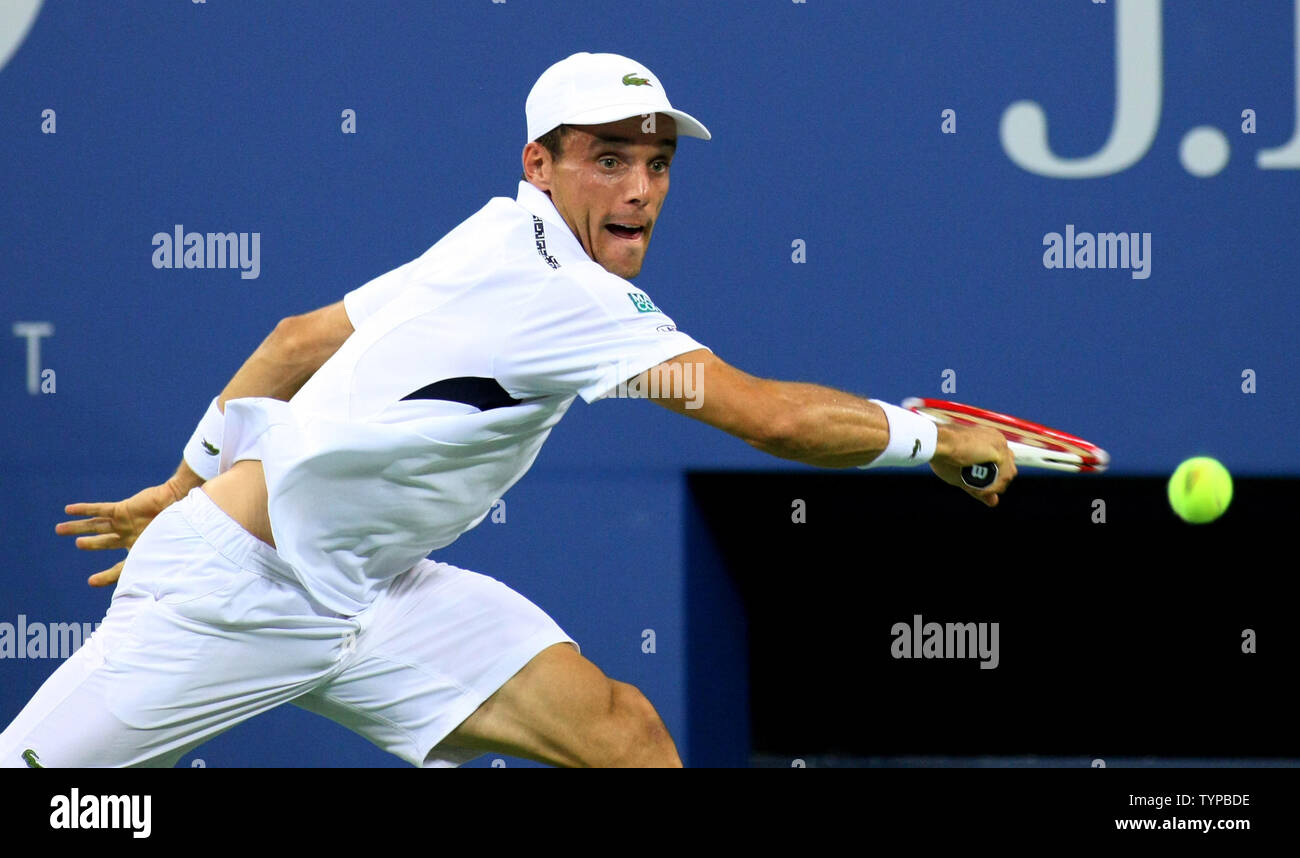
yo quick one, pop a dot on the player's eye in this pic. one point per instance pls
(661, 166)
(609, 163)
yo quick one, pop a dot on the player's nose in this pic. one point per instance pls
(638, 185)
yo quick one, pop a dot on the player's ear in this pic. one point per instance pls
(537, 165)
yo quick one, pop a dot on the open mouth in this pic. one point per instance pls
(631, 233)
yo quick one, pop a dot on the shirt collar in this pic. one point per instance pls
(539, 205)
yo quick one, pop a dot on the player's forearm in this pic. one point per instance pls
(829, 428)
(280, 366)
(824, 427)
(277, 369)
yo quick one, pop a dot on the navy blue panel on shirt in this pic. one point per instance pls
(482, 393)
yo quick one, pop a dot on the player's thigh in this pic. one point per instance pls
(192, 644)
(543, 711)
(451, 664)
(562, 709)
(69, 721)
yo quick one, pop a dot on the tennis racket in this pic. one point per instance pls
(1032, 444)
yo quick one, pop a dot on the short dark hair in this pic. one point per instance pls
(553, 141)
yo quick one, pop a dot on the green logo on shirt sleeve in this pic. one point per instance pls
(642, 302)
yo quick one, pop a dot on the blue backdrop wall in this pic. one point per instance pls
(871, 214)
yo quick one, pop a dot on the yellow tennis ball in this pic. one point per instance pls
(1200, 490)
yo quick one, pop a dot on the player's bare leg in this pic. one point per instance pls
(562, 710)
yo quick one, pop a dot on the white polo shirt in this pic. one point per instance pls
(461, 363)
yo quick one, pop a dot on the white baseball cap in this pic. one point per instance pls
(591, 89)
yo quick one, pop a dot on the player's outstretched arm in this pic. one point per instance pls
(814, 424)
(290, 355)
(282, 364)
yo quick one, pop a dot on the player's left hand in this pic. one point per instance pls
(114, 525)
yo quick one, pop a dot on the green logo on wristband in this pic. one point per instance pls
(916, 448)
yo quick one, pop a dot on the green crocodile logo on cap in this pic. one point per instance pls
(633, 80)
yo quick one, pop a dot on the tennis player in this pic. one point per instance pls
(286, 561)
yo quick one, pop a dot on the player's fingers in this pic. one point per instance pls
(108, 576)
(97, 543)
(1006, 473)
(84, 525)
(104, 509)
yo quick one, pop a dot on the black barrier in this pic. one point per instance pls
(889, 616)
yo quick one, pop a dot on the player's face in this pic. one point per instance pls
(609, 185)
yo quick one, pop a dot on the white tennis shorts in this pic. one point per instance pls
(208, 627)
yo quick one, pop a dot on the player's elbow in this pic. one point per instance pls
(312, 337)
(309, 339)
(289, 340)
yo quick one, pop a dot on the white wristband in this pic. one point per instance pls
(203, 452)
(912, 438)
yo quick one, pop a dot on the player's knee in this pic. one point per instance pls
(634, 734)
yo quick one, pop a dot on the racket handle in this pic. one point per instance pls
(980, 476)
